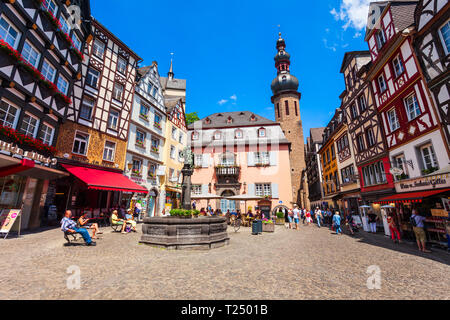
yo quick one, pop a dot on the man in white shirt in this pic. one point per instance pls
(296, 217)
(318, 216)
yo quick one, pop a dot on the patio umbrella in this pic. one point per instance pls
(245, 197)
(206, 196)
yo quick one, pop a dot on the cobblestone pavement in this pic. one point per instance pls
(308, 264)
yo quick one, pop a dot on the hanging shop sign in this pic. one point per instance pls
(15, 150)
(424, 183)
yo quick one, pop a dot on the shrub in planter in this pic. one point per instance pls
(183, 213)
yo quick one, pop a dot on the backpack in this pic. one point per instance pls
(413, 221)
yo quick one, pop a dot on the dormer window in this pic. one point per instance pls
(381, 38)
(195, 136)
(239, 134)
(262, 133)
(230, 120)
(207, 121)
(217, 135)
(253, 118)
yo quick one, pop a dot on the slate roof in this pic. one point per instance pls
(240, 118)
(177, 84)
(317, 134)
(402, 13)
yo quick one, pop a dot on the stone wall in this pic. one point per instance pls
(64, 145)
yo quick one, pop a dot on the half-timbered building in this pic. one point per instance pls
(365, 140)
(176, 142)
(93, 140)
(432, 44)
(408, 115)
(328, 160)
(313, 167)
(41, 58)
(146, 139)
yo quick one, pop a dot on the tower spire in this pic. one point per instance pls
(170, 73)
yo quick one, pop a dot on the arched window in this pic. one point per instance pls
(195, 135)
(239, 134)
(261, 133)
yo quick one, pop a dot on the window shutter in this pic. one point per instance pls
(251, 190)
(205, 189)
(275, 193)
(205, 162)
(273, 158)
(250, 159)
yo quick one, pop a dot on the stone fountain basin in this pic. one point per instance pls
(177, 233)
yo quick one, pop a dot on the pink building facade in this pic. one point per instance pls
(237, 153)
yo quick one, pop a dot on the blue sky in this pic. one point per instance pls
(225, 49)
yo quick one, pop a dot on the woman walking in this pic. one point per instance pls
(395, 234)
(308, 218)
(287, 219)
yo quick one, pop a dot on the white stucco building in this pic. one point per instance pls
(146, 139)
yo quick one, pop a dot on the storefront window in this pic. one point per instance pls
(11, 188)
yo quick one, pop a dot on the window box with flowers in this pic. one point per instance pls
(158, 125)
(143, 116)
(25, 142)
(136, 173)
(262, 165)
(55, 22)
(140, 144)
(155, 149)
(35, 73)
(151, 176)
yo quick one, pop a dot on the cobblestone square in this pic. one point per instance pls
(308, 264)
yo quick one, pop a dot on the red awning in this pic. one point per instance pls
(410, 197)
(104, 180)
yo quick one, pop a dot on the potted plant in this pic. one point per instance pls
(157, 125)
(155, 149)
(280, 218)
(268, 225)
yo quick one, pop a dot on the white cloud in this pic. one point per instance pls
(353, 12)
(333, 47)
(233, 97)
(222, 102)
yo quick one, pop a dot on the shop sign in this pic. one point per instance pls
(8, 147)
(7, 219)
(421, 184)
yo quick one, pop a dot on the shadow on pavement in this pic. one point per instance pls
(407, 247)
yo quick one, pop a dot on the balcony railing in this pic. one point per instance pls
(232, 171)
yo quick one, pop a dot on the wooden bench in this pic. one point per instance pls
(72, 237)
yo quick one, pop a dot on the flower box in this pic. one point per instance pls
(155, 150)
(157, 125)
(26, 142)
(140, 144)
(268, 227)
(144, 116)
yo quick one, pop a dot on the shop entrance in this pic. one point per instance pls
(225, 204)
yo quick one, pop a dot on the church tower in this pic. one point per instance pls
(286, 100)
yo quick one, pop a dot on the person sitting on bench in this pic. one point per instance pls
(70, 226)
(116, 221)
(84, 223)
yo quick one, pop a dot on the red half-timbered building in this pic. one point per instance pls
(414, 139)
